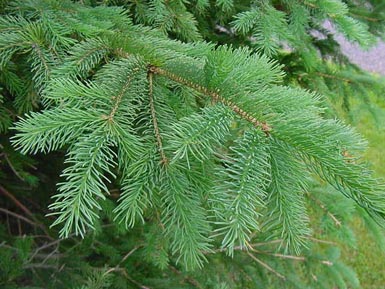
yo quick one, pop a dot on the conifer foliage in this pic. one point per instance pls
(209, 148)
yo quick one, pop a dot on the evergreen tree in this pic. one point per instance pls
(188, 139)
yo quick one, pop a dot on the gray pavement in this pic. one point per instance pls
(372, 60)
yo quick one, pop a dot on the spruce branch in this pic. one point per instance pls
(241, 190)
(215, 96)
(184, 219)
(52, 129)
(83, 57)
(43, 60)
(200, 133)
(287, 215)
(137, 185)
(78, 199)
(115, 91)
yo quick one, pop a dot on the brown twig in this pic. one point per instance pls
(323, 207)
(267, 243)
(283, 256)
(244, 248)
(121, 261)
(214, 95)
(16, 201)
(125, 274)
(41, 266)
(322, 241)
(333, 77)
(123, 271)
(310, 5)
(371, 19)
(24, 209)
(278, 255)
(154, 119)
(12, 167)
(263, 264)
(291, 257)
(50, 244)
(19, 217)
(327, 263)
(189, 279)
(19, 227)
(57, 241)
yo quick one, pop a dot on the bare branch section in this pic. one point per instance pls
(215, 96)
(290, 257)
(154, 119)
(20, 217)
(16, 201)
(278, 255)
(333, 77)
(263, 264)
(116, 268)
(323, 207)
(189, 279)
